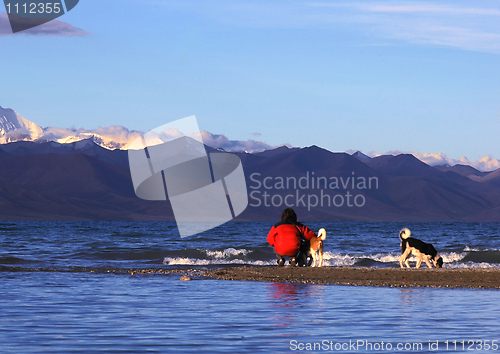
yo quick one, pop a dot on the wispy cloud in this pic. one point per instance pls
(119, 137)
(113, 137)
(420, 22)
(438, 23)
(221, 141)
(485, 163)
(465, 28)
(53, 28)
(431, 8)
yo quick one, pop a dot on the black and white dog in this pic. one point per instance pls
(423, 251)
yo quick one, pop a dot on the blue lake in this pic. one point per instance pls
(52, 303)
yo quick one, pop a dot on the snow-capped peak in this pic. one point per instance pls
(13, 127)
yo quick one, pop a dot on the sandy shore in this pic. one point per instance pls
(390, 277)
(477, 278)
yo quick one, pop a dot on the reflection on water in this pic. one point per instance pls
(284, 298)
(77, 312)
(409, 299)
(289, 299)
(285, 294)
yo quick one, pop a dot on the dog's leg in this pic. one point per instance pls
(321, 255)
(429, 264)
(419, 262)
(404, 258)
(314, 256)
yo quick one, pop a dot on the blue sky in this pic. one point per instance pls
(375, 76)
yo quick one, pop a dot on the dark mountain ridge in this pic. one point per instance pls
(83, 181)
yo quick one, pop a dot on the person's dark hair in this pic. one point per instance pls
(288, 215)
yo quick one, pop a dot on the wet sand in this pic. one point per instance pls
(389, 277)
(476, 278)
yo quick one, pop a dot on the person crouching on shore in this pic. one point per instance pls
(286, 237)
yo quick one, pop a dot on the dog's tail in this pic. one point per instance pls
(404, 233)
(322, 234)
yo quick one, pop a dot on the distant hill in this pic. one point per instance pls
(56, 181)
(492, 178)
(401, 165)
(83, 181)
(408, 189)
(463, 170)
(360, 156)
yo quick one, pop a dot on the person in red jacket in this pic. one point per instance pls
(286, 237)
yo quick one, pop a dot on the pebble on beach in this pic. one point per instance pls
(185, 278)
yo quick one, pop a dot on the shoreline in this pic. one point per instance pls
(473, 278)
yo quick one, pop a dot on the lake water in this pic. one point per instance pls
(53, 303)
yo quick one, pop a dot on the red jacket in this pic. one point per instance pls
(286, 237)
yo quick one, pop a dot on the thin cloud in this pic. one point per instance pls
(55, 27)
(433, 9)
(468, 28)
(486, 163)
(473, 28)
(113, 137)
(119, 137)
(220, 141)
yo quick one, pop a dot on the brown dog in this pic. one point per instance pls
(314, 249)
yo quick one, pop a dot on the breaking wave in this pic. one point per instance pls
(230, 256)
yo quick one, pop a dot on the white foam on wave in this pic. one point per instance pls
(482, 265)
(340, 259)
(337, 259)
(452, 257)
(185, 261)
(385, 258)
(205, 262)
(227, 253)
(469, 249)
(235, 256)
(219, 257)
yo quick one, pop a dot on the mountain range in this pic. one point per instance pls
(14, 127)
(84, 178)
(84, 181)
